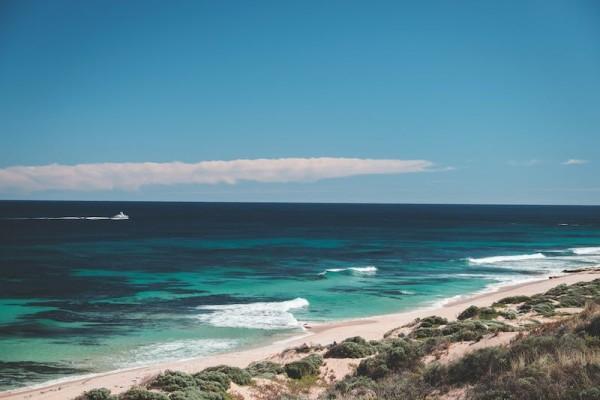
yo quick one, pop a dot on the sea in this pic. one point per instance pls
(82, 293)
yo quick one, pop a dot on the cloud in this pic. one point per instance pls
(526, 163)
(574, 161)
(132, 176)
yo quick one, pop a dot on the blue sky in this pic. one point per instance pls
(495, 97)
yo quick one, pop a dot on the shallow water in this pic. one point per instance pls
(180, 280)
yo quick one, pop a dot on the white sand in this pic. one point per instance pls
(369, 328)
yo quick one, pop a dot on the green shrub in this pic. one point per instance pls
(209, 386)
(264, 369)
(432, 321)
(593, 328)
(215, 377)
(398, 355)
(571, 300)
(237, 375)
(422, 333)
(512, 300)
(316, 360)
(470, 312)
(374, 368)
(480, 363)
(354, 384)
(435, 374)
(487, 313)
(195, 394)
(97, 394)
(308, 366)
(171, 381)
(355, 347)
(545, 309)
(508, 314)
(137, 393)
(557, 290)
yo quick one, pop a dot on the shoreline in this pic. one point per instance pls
(373, 327)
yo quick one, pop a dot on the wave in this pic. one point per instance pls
(175, 351)
(585, 250)
(501, 259)
(369, 270)
(262, 315)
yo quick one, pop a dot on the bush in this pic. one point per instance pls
(558, 290)
(97, 394)
(264, 369)
(470, 312)
(308, 366)
(237, 375)
(195, 394)
(354, 384)
(209, 386)
(215, 377)
(487, 313)
(171, 381)
(315, 360)
(355, 347)
(137, 393)
(570, 300)
(432, 321)
(512, 300)
(422, 333)
(397, 355)
(480, 363)
(435, 374)
(374, 368)
(593, 328)
(545, 309)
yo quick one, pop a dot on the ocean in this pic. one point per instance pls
(181, 280)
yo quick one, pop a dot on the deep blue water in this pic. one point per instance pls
(190, 279)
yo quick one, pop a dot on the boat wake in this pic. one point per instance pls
(369, 270)
(118, 217)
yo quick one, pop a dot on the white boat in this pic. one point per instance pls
(120, 216)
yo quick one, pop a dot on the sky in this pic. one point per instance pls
(336, 101)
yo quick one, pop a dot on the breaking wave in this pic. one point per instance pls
(262, 315)
(176, 350)
(501, 259)
(586, 250)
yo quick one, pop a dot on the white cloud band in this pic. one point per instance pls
(575, 161)
(131, 176)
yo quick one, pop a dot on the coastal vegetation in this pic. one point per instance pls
(545, 346)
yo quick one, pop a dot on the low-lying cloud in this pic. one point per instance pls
(132, 176)
(575, 161)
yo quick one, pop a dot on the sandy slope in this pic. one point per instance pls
(369, 328)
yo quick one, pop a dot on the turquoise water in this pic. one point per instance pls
(181, 280)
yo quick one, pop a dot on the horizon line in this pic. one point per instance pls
(302, 202)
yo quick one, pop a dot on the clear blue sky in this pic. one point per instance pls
(503, 92)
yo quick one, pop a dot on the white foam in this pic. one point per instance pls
(502, 259)
(369, 270)
(262, 315)
(175, 351)
(585, 250)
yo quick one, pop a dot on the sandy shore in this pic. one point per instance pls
(369, 328)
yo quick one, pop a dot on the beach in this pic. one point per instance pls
(326, 333)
